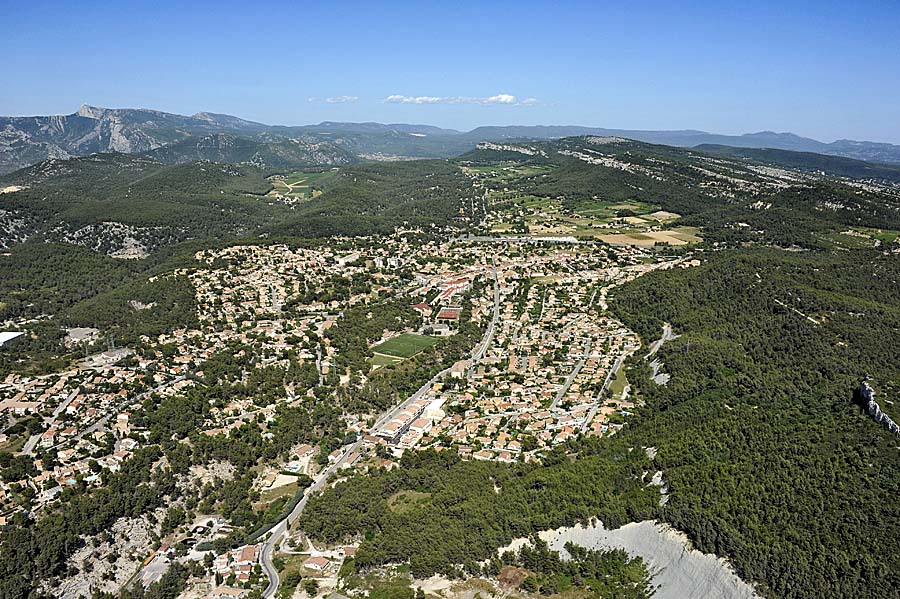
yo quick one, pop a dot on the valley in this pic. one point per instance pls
(471, 300)
(265, 380)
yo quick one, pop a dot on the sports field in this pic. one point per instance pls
(405, 345)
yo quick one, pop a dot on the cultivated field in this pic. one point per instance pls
(681, 236)
(630, 222)
(300, 185)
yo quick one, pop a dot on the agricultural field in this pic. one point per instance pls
(615, 222)
(674, 237)
(300, 185)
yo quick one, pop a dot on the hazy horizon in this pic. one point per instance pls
(819, 70)
(426, 124)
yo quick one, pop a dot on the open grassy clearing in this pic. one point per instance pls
(870, 234)
(291, 564)
(884, 236)
(848, 240)
(859, 237)
(405, 345)
(405, 501)
(379, 360)
(617, 386)
(14, 444)
(269, 495)
(301, 185)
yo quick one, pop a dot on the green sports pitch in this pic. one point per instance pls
(405, 345)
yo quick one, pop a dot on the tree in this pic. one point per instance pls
(311, 586)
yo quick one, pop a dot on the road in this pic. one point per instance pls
(600, 398)
(585, 351)
(28, 449)
(667, 335)
(115, 410)
(279, 530)
(522, 239)
(492, 325)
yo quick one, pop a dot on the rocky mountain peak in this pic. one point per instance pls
(91, 112)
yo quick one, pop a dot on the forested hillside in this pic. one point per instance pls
(113, 203)
(51, 286)
(473, 508)
(732, 200)
(766, 459)
(269, 153)
(837, 166)
(379, 198)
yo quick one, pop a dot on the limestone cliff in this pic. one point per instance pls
(865, 397)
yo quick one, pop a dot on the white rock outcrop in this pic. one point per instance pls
(679, 570)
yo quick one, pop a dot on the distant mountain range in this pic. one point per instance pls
(220, 137)
(231, 149)
(836, 166)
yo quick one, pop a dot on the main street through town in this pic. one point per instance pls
(280, 529)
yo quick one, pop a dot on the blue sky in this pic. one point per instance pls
(827, 70)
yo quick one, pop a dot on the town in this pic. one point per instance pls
(545, 367)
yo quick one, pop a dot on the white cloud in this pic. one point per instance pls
(500, 99)
(397, 99)
(341, 99)
(530, 102)
(334, 99)
(503, 99)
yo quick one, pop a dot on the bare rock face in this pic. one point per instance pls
(29, 140)
(865, 397)
(91, 112)
(679, 571)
